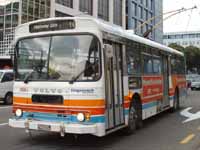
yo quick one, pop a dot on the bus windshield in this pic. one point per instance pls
(1, 73)
(59, 57)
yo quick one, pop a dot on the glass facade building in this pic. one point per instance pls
(15, 12)
(35, 9)
(139, 11)
(9, 17)
(109, 10)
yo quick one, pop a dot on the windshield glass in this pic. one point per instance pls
(59, 58)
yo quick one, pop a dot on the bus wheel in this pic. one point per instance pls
(138, 109)
(8, 99)
(176, 102)
(131, 121)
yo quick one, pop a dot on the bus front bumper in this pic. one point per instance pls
(54, 126)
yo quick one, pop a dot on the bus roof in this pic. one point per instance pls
(109, 28)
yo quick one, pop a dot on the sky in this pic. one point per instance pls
(186, 21)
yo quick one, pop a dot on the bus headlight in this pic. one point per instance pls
(18, 112)
(80, 117)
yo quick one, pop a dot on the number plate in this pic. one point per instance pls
(44, 127)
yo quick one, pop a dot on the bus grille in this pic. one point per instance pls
(47, 99)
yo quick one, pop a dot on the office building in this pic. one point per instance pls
(139, 11)
(16, 12)
(128, 14)
(184, 39)
(112, 11)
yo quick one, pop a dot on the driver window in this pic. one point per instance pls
(92, 64)
(7, 77)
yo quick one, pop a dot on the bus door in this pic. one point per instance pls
(165, 81)
(114, 87)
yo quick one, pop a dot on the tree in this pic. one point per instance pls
(177, 47)
(192, 54)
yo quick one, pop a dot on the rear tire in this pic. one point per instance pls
(192, 88)
(8, 99)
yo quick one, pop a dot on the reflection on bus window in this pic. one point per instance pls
(133, 61)
(157, 66)
(148, 65)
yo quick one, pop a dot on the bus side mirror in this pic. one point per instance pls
(108, 50)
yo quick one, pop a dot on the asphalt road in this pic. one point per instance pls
(166, 131)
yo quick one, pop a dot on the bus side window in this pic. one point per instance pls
(148, 64)
(133, 61)
(157, 66)
(173, 66)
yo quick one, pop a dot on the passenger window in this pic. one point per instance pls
(148, 65)
(157, 66)
(133, 61)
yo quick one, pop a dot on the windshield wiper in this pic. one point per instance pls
(26, 79)
(88, 66)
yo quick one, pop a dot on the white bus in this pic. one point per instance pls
(84, 76)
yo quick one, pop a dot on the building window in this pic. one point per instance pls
(140, 12)
(134, 8)
(147, 3)
(68, 3)
(118, 12)
(134, 23)
(151, 4)
(86, 6)
(146, 14)
(103, 9)
(35, 9)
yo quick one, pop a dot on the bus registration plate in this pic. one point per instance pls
(44, 127)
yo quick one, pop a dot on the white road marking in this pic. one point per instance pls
(3, 124)
(190, 116)
(5, 107)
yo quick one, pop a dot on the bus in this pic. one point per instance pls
(79, 75)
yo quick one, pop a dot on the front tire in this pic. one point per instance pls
(130, 129)
(138, 109)
(8, 99)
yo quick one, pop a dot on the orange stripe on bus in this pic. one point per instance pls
(19, 100)
(85, 103)
(126, 98)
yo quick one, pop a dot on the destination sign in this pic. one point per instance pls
(52, 26)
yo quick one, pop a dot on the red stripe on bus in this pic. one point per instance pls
(58, 110)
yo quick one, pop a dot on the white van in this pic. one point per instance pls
(6, 86)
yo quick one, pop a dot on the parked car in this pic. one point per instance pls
(6, 86)
(195, 83)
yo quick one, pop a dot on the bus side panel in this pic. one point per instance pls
(152, 94)
(179, 81)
